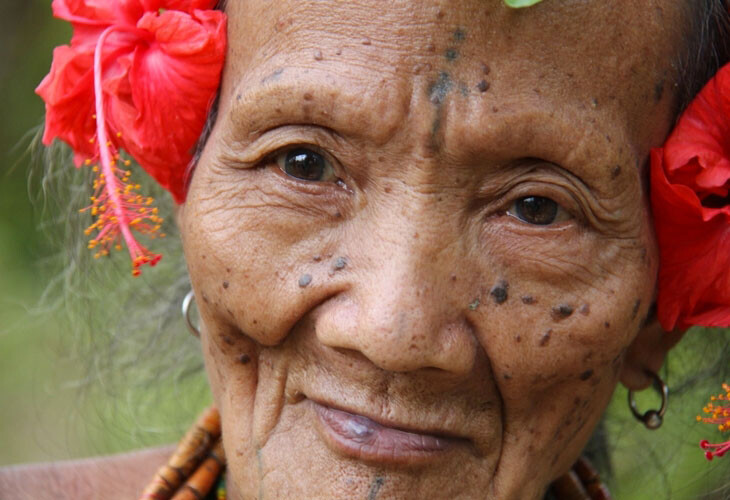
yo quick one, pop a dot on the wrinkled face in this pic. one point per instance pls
(419, 240)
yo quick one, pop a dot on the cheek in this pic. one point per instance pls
(556, 358)
(254, 254)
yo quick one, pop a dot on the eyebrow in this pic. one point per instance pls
(298, 97)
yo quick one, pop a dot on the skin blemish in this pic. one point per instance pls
(438, 90)
(499, 292)
(473, 306)
(366, 41)
(225, 284)
(635, 310)
(244, 359)
(317, 258)
(459, 35)
(451, 54)
(318, 55)
(507, 376)
(585, 309)
(561, 312)
(659, 90)
(453, 277)
(307, 96)
(483, 86)
(545, 339)
(485, 69)
(340, 263)
(528, 299)
(375, 487)
(228, 340)
(518, 338)
(615, 172)
(271, 77)
(586, 375)
(338, 52)
(305, 280)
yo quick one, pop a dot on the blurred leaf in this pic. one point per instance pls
(517, 4)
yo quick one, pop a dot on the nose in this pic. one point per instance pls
(403, 309)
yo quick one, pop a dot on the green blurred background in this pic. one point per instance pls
(50, 410)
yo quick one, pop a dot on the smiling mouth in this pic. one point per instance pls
(360, 437)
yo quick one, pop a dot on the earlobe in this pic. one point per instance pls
(646, 354)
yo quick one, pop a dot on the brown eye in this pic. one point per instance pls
(536, 210)
(305, 164)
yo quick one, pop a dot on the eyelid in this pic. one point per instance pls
(242, 154)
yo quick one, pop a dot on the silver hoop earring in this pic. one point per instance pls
(652, 419)
(189, 298)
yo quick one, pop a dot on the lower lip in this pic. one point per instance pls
(359, 437)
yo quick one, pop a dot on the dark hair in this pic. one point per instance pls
(707, 48)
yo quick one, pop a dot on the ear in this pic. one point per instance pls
(646, 354)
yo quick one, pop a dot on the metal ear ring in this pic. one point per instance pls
(652, 419)
(189, 298)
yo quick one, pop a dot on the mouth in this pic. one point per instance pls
(360, 437)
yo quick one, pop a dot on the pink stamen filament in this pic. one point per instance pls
(111, 184)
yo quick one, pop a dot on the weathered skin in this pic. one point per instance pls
(450, 316)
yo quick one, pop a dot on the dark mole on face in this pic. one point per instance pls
(545, 338)
(225, 284)
(561, 312)
(518, 338)
(585, 309)
(483, 86)
(615, 171)
(459, 35)
(586, 375)
(499, 292)
(607, 324)
(451, 54)
(244, 359)
(228, 340)
(528, 299)
(340, 263)
(305, 280)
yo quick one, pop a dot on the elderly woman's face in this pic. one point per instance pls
(419, 240)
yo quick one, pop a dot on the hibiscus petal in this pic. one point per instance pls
(694, 245)
(67, 92)
(173, 81)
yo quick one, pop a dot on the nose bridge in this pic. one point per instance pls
(408, 315)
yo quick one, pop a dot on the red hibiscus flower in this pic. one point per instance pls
(690, 184)
(161, 68)
(138, 76)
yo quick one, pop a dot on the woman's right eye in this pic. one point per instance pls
(306, 164)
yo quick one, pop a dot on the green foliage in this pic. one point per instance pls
(518, 4)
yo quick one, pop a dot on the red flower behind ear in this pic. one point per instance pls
(139, 76)
(161, 69)
(690, 187)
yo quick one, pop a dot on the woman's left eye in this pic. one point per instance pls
(538, 211)
(306, 164)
